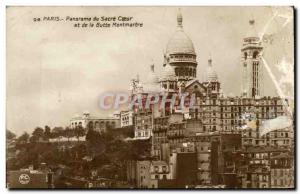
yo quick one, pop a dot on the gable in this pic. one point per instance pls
(195, 87)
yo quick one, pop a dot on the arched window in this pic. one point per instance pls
(113, 124)
(164, 85)
(90, 125)
(255, 54)
(245, 55)
(176, 72)
(97, 125)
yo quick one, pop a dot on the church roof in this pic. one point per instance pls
(191, 82)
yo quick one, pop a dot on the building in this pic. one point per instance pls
(217, 124)
(265, 167)
(143, 174)
(282, 171)
(100, 124)
(186, 168)
(203, 147)
(223, 159)
(126, 118)
(143, 124)
(159, 171)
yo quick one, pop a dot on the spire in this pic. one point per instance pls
(179, 18)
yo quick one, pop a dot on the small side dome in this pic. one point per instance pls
(152, 77)
(151, 82)
(168, 72)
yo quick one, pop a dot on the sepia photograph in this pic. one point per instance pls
(150, 97)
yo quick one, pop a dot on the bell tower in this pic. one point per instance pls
(251, 64)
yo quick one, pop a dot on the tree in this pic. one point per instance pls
(47, 133)
(57, 131)
(37, 134)
(95, 142)
(10, 135)
(79, 132)
(23, 138)
(68, 133)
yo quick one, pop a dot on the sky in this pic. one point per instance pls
(55, 71)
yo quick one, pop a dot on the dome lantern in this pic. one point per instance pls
(179, 19)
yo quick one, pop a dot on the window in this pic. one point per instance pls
(156, 168)
(164, 168)
(255, 54)
(214, 128)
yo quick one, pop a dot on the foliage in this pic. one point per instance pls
(105, 152)
(10, 135)
(23, 138)
(47, 133)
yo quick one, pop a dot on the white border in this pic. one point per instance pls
(4, 3)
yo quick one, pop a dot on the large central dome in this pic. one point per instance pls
(180, 55)
(180, 43)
